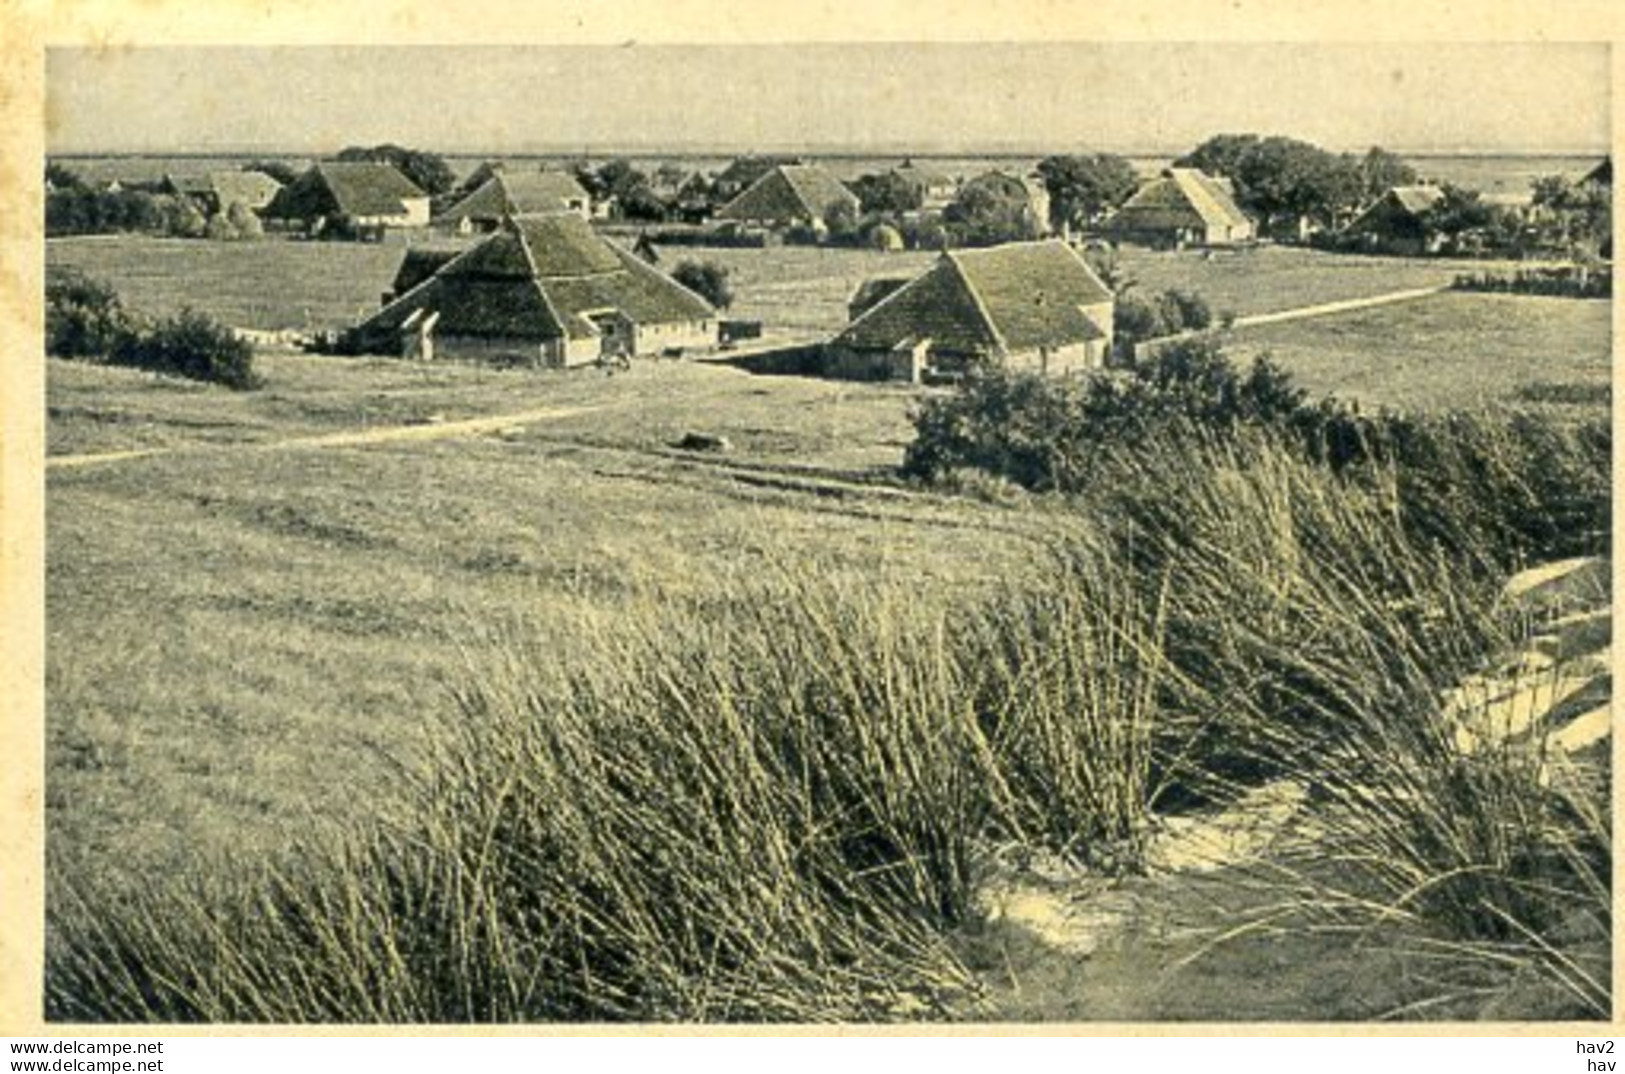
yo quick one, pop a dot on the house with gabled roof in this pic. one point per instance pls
(519, 193)
(1182, 207)
(542, 290)
(217, 191)
(743, 171)
(1396, 222)
(350, 198)
(790, 195)
(933, 187)
(1033, 306)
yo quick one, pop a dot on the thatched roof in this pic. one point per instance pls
(1415, 199)
(535, 279)
(1602, 174)
(744, 171)
(345, 188)
(790, 193)
(998, 300)
(505, 194)
(922, 175)
(1180, 198)
(253, 189)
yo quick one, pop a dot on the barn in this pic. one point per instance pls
(516, 194)
(1395, 223)
(542, 290)
(790, 195)
(1182, 207)
(350, 198)
(1034, 306)
(217, 191)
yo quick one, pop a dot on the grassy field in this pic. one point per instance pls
(235, 633)
(795, 290)
(1267, 279)
(1452, 349)
(247, 639)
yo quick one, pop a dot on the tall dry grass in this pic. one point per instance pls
(767, 809)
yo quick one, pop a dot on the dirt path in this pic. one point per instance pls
(1344, 306)
(349, 438)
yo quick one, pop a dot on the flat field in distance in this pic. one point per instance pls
(1447, 350)
(794, 290)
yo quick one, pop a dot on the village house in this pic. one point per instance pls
(1027, 193)
(744, 171)
(1396, 223)
(790, 195)
(1033, 306)
(542, 290)
(519, 193)
(933, 187)
(219, 190)
(350, 198)
(1182, 207)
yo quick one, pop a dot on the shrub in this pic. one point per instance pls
(192, 345)
(83, 316)
(707, 279)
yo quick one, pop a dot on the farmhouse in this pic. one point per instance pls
(1396, 223)
(1182, 207)
(350, 198)
(219, 190)
(1026, 305)
(790, 195)
(934, 188)
(542, 290)
(521, 193)
(1024, 192)
(744, 171)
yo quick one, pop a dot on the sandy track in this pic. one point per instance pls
(349, 438)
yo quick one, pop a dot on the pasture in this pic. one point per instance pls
(1447, 350)
(797, 291)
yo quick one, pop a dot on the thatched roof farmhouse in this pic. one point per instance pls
(1025, 305)
(218, 190)
(513, 194)
(1396, 222)
(350, 197)
(1182, 207)
(543, 290)
(790, 195)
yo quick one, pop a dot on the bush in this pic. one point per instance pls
(83, 316)
(192, 345)
(707, 279)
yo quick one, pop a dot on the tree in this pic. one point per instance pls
(841, 219)
(61, 177)
(1281, 179)
(429, 171)
(1381, 171)
(1458, 212)
(83, 316)
(979, 217)
(887, 192)
(706, 279)
(219, 229)
(1221, 154)
(244, 223)
(281, 171)
(1082, 188)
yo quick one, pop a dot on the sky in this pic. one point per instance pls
(931, 97)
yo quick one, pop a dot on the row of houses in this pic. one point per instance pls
(547, 290)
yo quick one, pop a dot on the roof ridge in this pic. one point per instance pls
(976, 297)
